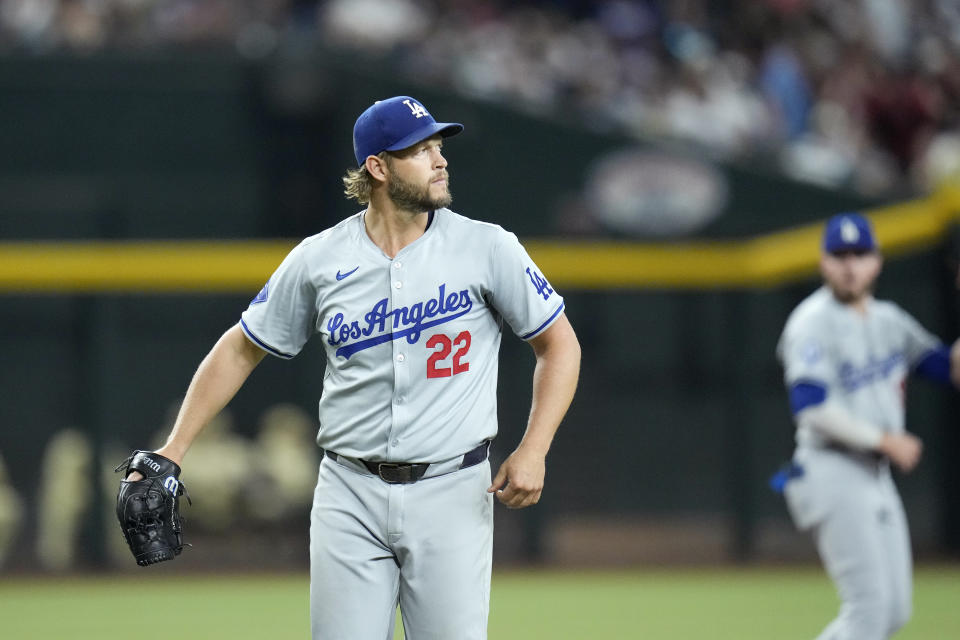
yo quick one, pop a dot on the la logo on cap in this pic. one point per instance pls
(849, 232)
(416, 108)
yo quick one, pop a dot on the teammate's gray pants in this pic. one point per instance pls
(426, 545)
(863, 540)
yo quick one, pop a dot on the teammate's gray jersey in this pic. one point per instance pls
(861, 360)
(411, 342)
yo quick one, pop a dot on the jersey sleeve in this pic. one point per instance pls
(918, 343)
(519, 291)
(282, 317)
(804, 352)
(808, 373)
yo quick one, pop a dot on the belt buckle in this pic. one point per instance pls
(394, 473)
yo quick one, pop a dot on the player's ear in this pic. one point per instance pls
(824, 263)
(377, 167)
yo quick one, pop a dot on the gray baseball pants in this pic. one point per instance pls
(861, 533)
(426, 546)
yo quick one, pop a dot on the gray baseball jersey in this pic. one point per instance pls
(860, 361)
(411, 375)
(411, 342)
(857, 362)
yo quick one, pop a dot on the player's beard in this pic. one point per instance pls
(408, 196)
(850, 295)
(851, 287)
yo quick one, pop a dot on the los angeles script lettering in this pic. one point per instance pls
(403, 322)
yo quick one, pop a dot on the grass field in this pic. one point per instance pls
(711, 604)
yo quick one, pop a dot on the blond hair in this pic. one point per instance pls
(358, 183)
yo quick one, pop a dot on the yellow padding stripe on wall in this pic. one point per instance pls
(243, 266)
(765, 261)
(140, 266)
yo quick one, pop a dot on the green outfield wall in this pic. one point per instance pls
(143, 202)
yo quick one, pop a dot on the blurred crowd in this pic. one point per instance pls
(859, 94)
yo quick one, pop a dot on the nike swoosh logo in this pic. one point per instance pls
(341, 276)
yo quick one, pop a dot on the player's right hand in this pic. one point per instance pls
(903, 450)
(519, 482)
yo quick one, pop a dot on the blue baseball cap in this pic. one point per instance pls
(848, 232)
(396, 123)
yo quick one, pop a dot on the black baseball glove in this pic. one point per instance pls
(147, 509)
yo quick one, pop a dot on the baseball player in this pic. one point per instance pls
(408, 300)
(846, 357)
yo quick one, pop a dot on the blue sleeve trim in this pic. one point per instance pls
(935, 365)
(545, 324)
(263, 345)
(806, 394)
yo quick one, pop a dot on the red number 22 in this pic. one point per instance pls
(462, 341)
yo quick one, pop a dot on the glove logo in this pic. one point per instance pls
(171, 484)
(152, 464)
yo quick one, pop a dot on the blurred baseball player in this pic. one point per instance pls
(846, 358)
(408, 299)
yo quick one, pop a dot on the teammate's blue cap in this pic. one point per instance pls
(396, 123)
(848, 232)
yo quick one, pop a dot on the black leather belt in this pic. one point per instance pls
(397, 472)
(408, 472)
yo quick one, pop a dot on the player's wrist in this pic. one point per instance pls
(534, 447)
(884, 444)
(172, 452)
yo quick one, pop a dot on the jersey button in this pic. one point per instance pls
(396, 443)
(397, 284)
(400, 357)
(397, 265)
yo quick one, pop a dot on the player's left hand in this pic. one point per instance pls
(519, 482)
